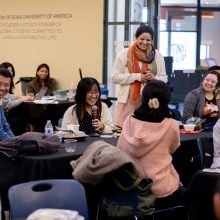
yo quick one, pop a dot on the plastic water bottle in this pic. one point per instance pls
(71, 92)
(48, 128)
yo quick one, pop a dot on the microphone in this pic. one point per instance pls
(94, 116)
(94, 112)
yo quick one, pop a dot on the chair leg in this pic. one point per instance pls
(3, 215)
(97, 214)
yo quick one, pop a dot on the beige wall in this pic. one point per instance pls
(31, 35)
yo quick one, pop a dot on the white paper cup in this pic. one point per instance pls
(74, 128)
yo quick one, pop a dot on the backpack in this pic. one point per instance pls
(125, 195)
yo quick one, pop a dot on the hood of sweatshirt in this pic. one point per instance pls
(143, 136)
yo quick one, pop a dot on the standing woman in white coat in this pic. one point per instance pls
(133, 68)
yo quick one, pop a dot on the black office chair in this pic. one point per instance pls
(176, 114)
(24, 81)
(27, 197)
(206, 151)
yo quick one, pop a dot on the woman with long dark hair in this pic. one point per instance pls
(42, 79)
(88, 95)
(150, 136)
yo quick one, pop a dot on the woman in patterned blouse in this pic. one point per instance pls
(88, 95)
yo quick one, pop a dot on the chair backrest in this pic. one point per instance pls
(112, 194)
(60, 122)
(27, 197)
(173, 105)
(183, 82)
(24, 81)
(125, 192)
(206, 151)
(176, 114)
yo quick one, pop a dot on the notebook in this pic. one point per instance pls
(211, 62)
(41, 93)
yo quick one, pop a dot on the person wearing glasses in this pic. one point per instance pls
(87, 95)
(202, 102)
(134, 67)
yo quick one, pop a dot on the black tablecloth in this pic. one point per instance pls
(56, 165)
(186, 158)
(40, 113)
